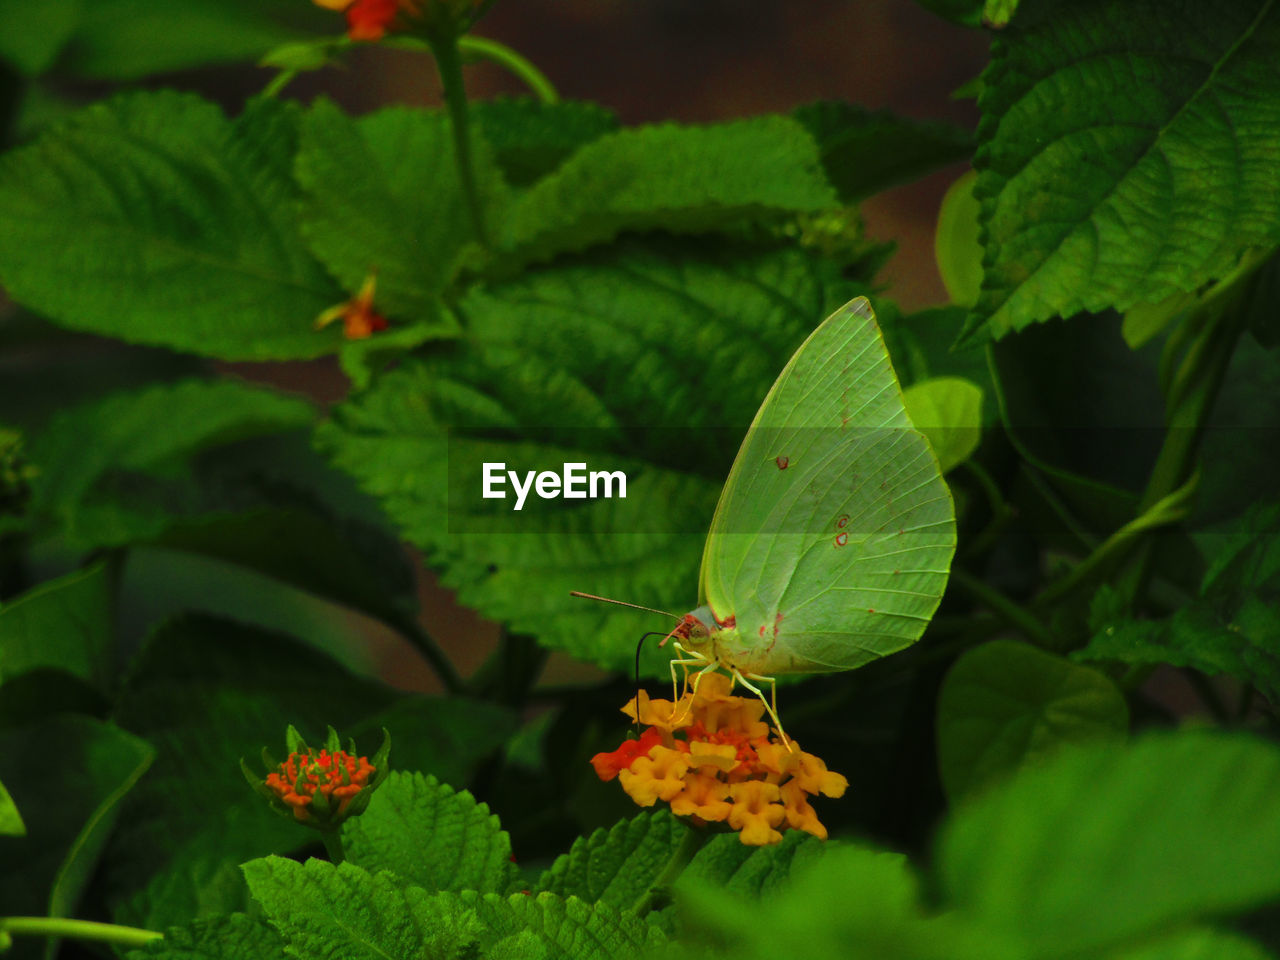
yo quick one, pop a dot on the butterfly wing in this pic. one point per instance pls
(834, 533)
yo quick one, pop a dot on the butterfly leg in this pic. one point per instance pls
(771, 704)
(691, 658)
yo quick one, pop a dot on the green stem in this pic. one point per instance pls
(1208, 694)
(426, 645)
(278, 83)
(1016, 615)
(333, 846)
(78, 930)
(449, 64)
(504, 56)
(659, 893)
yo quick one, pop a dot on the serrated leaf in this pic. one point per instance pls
(947, 410)
(430, 836)
(616, 866)
(1075, 855)
(177, 224)
(231, 937)
(673, 178)
(585, 361)
(320, 908)
(208, 692)
(751, 872)
(866, 151)
(68, 775)
(1005, 706)
(529, 138)
(1233, 627)
(112, 471)
(381, 195)
(1128, 154)
(63, 624)
(11, 824)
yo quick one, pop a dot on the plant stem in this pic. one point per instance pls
(278, 83)
(504, 56)
(333, 846)
(425, 644)
(449, 65)
(660, 892)
(1013, 613)
(78, 929)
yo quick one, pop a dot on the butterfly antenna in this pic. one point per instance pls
(639, 647)
(623, 603)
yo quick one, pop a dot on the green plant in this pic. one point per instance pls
(527, 282)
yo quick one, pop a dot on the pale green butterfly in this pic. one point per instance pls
(833, 537)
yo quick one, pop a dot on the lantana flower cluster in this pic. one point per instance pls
(711, 756)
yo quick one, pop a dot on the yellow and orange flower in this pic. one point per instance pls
(359, 319)
(711, 756)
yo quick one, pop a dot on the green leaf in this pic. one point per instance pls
(208, 692)
(947, 410)
(866, 151)
(232, 937)
(529, 138)
(114, 470)
(11, 824)
(63, 624)
(68, 775)
(752, 872)
(998, 13)
(674, 178)
(129, 39)
(321, 909)
(381, 194)
(1234, 625)
(585, 361)
(1075, 855)
(1007, 706)
(178, 226)
(1201, 944)
(430, 836)
(35, 32)
(851, 902)
(616, 866)
(1126, 156)
(956, 243)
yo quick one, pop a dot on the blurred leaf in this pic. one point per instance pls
(381, 195)
(1006, 706)
(430, 836)
(955, 243)
(683, 179)
(1201, 944)
(129, 39)
(967, 12)
(114, 470)
(867, 151)
(11, 824)
(178, 225)
(998, 13)
(529, 139)
(34, 33)
(947, 410)
(1233, 627)
(1103, 845)
(232, 937)
(616, 866)
(851, 902)
(208, 692)
(1126, 155)
(585, 361)
(67, 775)
(63, 624)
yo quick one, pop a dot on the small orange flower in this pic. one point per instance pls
(359, 319)
(371, 19)
(320, 788)
(711, 757)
